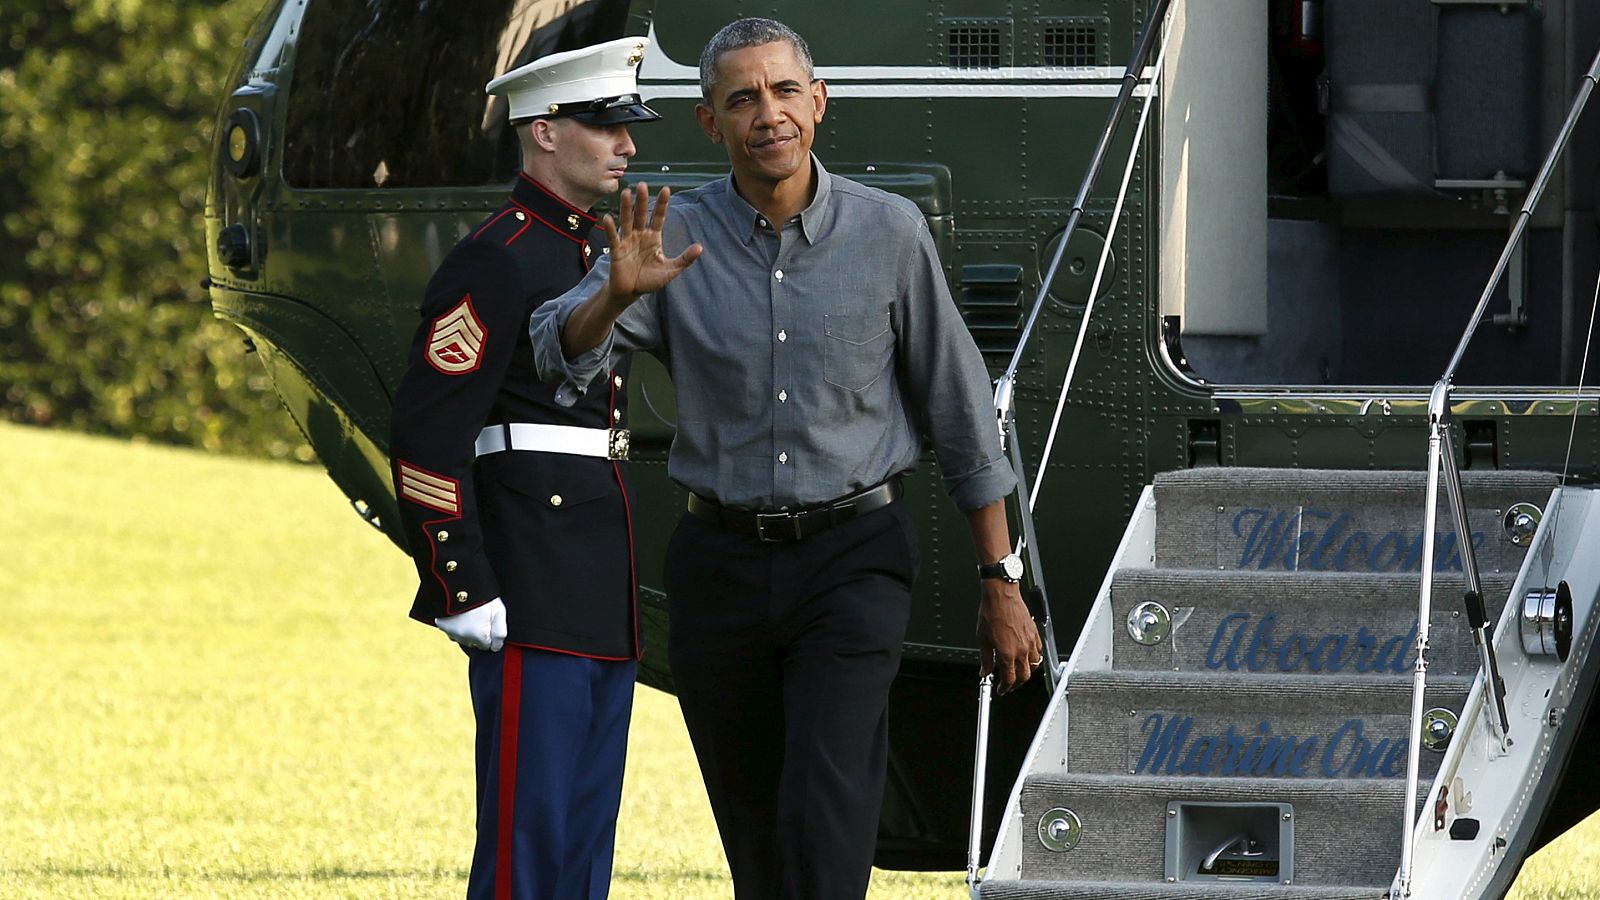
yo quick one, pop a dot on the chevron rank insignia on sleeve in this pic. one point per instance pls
(428, 489)
(455, 345)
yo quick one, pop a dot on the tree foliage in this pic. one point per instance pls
(106, 110)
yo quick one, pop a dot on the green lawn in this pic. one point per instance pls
(210, 689)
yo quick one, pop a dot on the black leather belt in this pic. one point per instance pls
(786, 526)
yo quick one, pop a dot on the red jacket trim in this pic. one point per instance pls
(552, 195)
(627, 515)
(547, 223)
(565, 652)
(428, 536)
(490, 224)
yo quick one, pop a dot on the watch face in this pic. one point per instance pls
(1012, 564)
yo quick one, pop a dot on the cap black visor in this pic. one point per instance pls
(616, 115)
(607, 111)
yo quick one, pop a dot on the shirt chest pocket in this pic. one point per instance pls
(856, 349)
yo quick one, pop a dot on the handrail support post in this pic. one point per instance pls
(1442, 466)
(979, 766)
(1482, 633)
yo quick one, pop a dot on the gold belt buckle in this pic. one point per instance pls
(616, 443)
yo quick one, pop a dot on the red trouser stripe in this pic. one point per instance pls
(510, 715)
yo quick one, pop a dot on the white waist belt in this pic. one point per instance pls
(606, 443)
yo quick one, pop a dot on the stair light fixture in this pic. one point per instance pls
(1149, 623)
(1059, 829)
(1438, 726)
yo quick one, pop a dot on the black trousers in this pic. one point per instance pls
(782, 656)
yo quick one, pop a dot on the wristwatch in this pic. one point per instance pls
(1008, 568)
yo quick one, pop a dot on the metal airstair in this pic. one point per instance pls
(1235, 720)
(1304, 683)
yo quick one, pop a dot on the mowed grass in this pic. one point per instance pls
(208, 688)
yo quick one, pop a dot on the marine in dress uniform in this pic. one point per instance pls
(497, 483)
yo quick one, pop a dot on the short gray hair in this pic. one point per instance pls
(743, 33)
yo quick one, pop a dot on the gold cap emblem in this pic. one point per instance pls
(637, 55)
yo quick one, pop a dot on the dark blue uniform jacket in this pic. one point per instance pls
(548, 533)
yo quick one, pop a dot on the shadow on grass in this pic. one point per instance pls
(235, 877)
(646, 876)
(634, 876)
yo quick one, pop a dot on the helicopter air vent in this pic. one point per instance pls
(971, 45)
(991, 303)
(1071, 45)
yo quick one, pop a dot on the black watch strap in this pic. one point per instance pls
(1008, 568)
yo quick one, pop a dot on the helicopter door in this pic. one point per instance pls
(1370, 157)
(1213, 170)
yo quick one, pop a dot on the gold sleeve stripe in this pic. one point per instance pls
(444, 504)
(426, 479)
(439, 494)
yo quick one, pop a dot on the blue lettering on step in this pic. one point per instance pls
(1173, 746)
(1300, 651)
(1322, 540)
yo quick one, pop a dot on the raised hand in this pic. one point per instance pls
(638, 264)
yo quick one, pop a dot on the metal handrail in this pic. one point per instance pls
(1005, 412)
(1585, 88)
(1130, 81)
(1442, 463)
(1005, 416)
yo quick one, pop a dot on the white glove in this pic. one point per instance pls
(481, 628)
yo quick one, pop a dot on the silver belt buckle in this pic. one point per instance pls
(616, 443)
(764, 519)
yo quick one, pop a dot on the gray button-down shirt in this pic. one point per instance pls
(809, 356)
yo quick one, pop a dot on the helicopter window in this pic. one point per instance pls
(390, 94)
(1072, 45)
(975, 44)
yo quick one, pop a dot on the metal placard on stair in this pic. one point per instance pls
(1251, 536)
(1248, 842)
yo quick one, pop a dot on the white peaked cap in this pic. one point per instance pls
(589, 84)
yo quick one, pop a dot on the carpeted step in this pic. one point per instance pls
(1291, 727)
(1327, 623)
(1126, 890)
(1329, 520)
(1345, 832)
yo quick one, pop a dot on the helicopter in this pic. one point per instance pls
(1237, 324)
